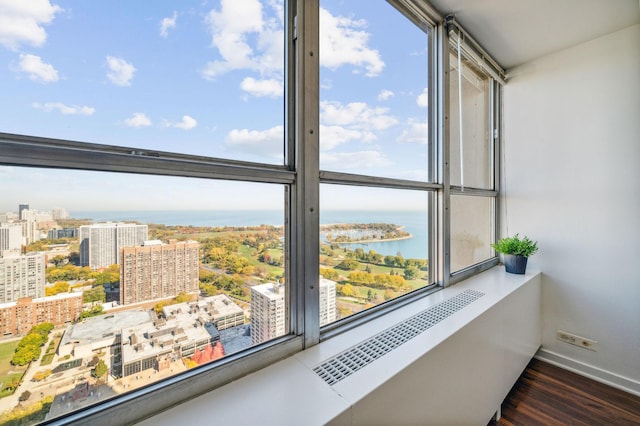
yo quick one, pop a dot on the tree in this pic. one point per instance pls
(74, 258)
(57, 288)
(347, 290)
(94, 311)
(375, 258)
(189, 363)
(411, 272)
(348, 265)
(330, 274)
(100, 369)
(59, 260)
(96, 294)
(388, 294)
(25, 355)
(183, 297)
(41, 375)
(32, 339)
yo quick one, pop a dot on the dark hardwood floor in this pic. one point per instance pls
(549, 395)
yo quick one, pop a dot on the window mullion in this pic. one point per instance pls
(306, 242)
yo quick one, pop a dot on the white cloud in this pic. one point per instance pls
(267, 143)
(138, 119)
(120, 71)
(21, 22)
(343, 41)
(270, 87)
(232, 26)
(168, 24)
(353, 160)
(385, 94)
(415, 132)
(358, 115)
(415, 174)
(187, 123)
(36, 69)
(332, 136)
(423, 98)
(64, 109)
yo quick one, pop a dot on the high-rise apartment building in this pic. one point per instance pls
(30, 231)
(21, 208)
(327, 301)
(22, 276)
(10, 239)
(268, 316)
(100, 243)
(59, 213)
(268, 313)
(155, 270)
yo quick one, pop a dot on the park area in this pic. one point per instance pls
(10, 375)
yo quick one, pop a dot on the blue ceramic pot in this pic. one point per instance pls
(515, 264)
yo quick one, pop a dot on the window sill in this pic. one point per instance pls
(290, 392)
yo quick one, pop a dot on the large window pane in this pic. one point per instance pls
(374, 247)
(472, 230)
(142, 277)
(191, 77)
(476, 136)
(373, 91)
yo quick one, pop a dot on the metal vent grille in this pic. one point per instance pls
(353, 359)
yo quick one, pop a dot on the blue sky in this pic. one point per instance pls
(205, 78)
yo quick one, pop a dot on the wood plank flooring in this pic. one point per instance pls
(549, 395)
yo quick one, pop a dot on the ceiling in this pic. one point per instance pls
(518, 31)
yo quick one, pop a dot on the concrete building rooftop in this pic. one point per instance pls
(160, 336)
(103, 327)
(213, 307)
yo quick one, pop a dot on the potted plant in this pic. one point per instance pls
(516, 252)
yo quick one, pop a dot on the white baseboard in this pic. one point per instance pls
(608, 378)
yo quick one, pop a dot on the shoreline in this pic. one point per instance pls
(365, 241)
(371, 241)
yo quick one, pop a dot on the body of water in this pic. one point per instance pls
(414, 222)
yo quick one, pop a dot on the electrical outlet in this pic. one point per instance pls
(574, 339)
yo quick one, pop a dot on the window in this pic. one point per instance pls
(374, 246)
(374, 133)
(473, 130)
(215, 186)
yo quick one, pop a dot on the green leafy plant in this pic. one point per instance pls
(516, 246)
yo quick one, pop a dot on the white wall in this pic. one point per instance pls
(572, 159)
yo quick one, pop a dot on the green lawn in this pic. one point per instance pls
(247, 252)
(9, 374)
(6, 353)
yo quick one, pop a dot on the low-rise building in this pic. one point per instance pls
(154, 345)
(19, 317)
(99, 334)
(134, 341)
(219, 310)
